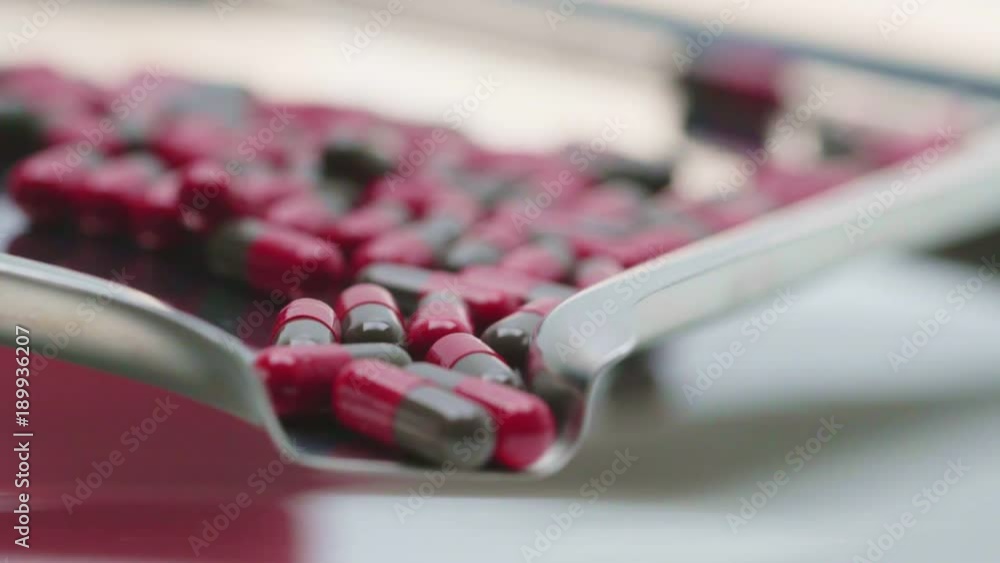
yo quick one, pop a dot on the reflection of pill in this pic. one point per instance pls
(272, 258)
(368, 313)
(510, 337)
(465, 353)
(306, 321)
(299, 378)
(401, 409)
(525, 427)
(439, 313)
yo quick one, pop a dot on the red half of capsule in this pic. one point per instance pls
(41, 184)
(299, 378)
(103, 197)
(278, 253)
(155, 216)
(188, 139)
(365, 223)
(486, 305)
(364, 294)
(548, 260)
(204, 195)
(307, 308)
(366, 396)
(522, 286)
(439, 314)
(450, 349)
(525, 426)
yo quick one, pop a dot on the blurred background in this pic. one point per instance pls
(860, 440)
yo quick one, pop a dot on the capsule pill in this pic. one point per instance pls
(401, 409)
(306, 321)
(465, 353)
(369, 313)
(525, 427)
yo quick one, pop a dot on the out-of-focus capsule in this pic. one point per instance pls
(102, 198)
(648, 244)
(85, 132)
(524, 425)
(21, 132)
(523, 286)
(733, 92)
(366, 223)
(620, 201)
(42, 184)
(510, 337)
(484, 244)
(724, 214)
(210, 194)
(595, 269)
(465, 353)
(369, 313)
(404, 410)
(409, 283)
(155, 215)
(311, 212)
(191, 138)
(419, 244)
(361, 153)
(299, 378)
(439, 313)
(548, 259)
(651, 175)
(786, 185)
(306, 321)
(269, 257)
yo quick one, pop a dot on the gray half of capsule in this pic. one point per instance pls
(304, 331)
(511, 336)
(488, 367)
(372, 322)
(441, 427)
(228, 246)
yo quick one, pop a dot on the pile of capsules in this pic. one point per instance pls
(390, 241)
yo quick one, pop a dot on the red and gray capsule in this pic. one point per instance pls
(408, 284)
(418, 244)
(404, 410)
(438, 314)
(306, 321)
(465, 353)
(511, 336)
(524, 425)
(548, 259)
(518, 284)
(369, 313)
(299, 378)
(269, 257)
